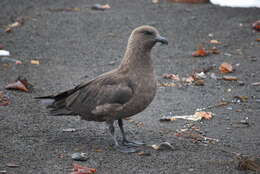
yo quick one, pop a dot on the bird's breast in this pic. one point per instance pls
(144, 91)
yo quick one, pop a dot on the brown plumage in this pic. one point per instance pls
(120, 93)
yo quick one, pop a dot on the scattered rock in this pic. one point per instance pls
(4, 53)
(163, 146)
(79, 156)
(69, 130)
(256, 84)
(12, 165)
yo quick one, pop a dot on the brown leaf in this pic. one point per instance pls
(200, 53)
(21, 84)
(35, 62)
(17, 23)
(199, 82)
(78, 169)
(189, 79)
(256, 25)
(18, 85)
(230, 78)
(205, 115)
(167, 84)
(214, 50)
(215, 42)
(258, 39)
(171, 76)
(98, 150)
(4, 100)
(225, 67)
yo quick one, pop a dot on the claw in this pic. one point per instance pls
(132, 143)
(125, 149)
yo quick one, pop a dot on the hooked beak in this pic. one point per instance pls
(161, 39)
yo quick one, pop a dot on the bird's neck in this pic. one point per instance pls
(137, 56)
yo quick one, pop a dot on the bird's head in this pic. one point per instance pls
(146, 36)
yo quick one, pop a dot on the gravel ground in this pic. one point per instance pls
(77, 46)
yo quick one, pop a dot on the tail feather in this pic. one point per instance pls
(57, 104)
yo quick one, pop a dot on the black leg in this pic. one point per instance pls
(123, 149)
(125, 141)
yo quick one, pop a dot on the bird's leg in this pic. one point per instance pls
(123, 149)
(125, 141)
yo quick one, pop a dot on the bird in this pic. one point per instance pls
(118, 94)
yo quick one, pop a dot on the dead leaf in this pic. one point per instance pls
(21, 84)
(205, 115)
(17, 23)
(215, 42)
(78, 169)
(195, 117)
(199, 82)
(214, 50)
(256, 25)
(98, 150)
(195, 134)
(230, 78)
(4, 100)
(200, 53)
(225, 68)
(35, 62)
(171, 76)
(167, 84)
(189, 79)
(100, 7)
(18, 85)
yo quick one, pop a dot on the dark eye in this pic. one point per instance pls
(148, 32)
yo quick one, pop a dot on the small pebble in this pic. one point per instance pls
(241, 83)
(191, 170)
(79, 156)
(163, 146)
